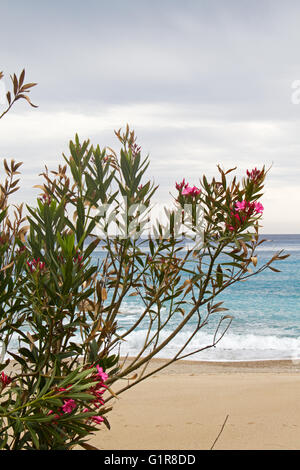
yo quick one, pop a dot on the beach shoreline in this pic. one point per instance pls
(196, 366)
(184, 407)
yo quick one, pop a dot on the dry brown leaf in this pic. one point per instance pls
(103, 293)
(7, 266)
(254, 260)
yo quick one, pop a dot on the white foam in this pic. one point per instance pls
(231, 347)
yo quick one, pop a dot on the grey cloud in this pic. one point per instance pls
(237, 55)
(217, 74)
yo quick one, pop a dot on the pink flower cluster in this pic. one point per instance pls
(101, 374)
(69, 406)
(97, 390)
(187, 190)
(35, 265)
(191, 191)
(249, 207)
(242, 212)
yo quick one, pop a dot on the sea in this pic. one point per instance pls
(265, 310)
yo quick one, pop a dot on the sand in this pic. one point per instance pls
(185, 406)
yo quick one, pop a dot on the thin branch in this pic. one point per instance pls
(222, 428)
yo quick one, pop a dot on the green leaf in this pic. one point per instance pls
(81, 396)
(91, 247)
(48, 382)
(3, 214)
(125, 167)
(80, 221)
(34, 436)
(75, 376)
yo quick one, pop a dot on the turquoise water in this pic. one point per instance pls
(266, 310)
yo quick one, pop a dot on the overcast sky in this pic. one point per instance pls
(201, 82)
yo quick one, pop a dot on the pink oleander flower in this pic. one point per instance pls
(191, 191)
(249, 207)
(259, 207)
(241, 205)
(5, 380)
(244, 210)
(97, 419)
(68, 406)
(101, 374)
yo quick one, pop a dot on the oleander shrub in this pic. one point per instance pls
(60, 310)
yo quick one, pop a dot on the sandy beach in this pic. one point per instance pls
(185, 406)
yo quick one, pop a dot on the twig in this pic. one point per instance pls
(223, 426)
